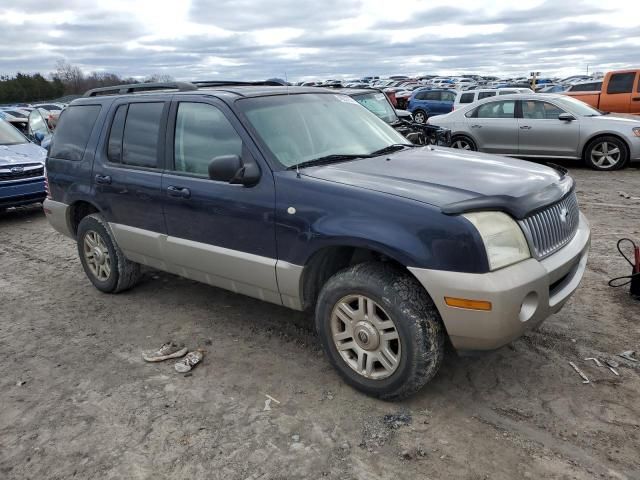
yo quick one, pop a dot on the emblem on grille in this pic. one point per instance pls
(563, 215)
(17, 169)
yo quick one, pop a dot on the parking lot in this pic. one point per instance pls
(78, 401)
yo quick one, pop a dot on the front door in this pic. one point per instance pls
(541, 133)
(494, 127)
(218, 233)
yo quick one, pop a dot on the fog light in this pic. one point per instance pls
(529, 307)
(468, 304)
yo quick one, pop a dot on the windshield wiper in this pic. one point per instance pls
(392, 148)
(327, 159)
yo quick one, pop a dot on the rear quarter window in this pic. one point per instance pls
(73, 132)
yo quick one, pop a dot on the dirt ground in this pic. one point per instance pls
(77, 401)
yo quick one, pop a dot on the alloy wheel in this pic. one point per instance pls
(97, 255)
(462, 144)
(419, 117)
(366, 337)
(605, 155)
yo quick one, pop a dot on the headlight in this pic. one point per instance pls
(636, 131)
(502, 237)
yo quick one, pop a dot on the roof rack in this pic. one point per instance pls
(236, 83)
(140, 87)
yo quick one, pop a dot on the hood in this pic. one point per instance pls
(21, 154)
(454, 180)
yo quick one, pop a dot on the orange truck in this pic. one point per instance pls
(620, 93)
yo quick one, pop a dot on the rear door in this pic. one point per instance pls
(128, 175)
(494, 127)
(619, 93)
(445, 105)
(218, 233)
(541, 133)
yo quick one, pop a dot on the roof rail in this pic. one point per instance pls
(222, 83)
(140, 87)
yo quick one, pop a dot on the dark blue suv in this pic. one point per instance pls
(303, 198)
(426, 102)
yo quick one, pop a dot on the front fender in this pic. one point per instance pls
(325, 214)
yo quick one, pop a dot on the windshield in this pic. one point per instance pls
(300, 128)
(379, 105)
(9, 135)
(578, 107)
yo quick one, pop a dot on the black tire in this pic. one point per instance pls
(593, 151)
(420, 116)
(124, 273)
(458, 140)
(417, 321)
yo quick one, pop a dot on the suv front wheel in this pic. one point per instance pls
(102, 260)
(380, 330)
(419, 116)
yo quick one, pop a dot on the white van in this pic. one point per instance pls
(470, 96)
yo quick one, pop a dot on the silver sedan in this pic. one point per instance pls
(545, 126)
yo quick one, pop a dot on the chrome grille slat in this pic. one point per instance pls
(546, 232)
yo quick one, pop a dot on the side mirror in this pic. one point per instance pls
(566, 117)
(231, 169)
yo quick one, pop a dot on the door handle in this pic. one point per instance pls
(178, 192)
(525, 127)
(476, 126)
(636, 99)
(103, 179)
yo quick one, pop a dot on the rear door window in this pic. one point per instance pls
(621, 83)
(432, 96)
(73, 132)
(114, 146)
(504, 109)
(141, 134)
(447, 96)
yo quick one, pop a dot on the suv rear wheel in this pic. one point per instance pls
(420, 116)
(102, 260)
(380, 330)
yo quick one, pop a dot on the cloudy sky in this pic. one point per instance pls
(256, 39)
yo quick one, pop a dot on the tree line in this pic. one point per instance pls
(67, 79)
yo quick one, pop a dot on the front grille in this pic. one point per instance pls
(547, 232)
(21, 172)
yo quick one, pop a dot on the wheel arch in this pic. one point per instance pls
(598, 135)
(77, 211)
(328, 260)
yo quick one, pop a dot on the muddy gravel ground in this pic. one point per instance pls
(77, 401)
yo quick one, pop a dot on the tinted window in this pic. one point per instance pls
(496, 109)
(540, 110)
(621, 82)
(202, 133)
(448, 96)
(587, 87)
(482, 95)
(467, 98)
(140, 139)
(73, 131)
(114, 148)
(432, 96)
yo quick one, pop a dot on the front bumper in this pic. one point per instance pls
(13, 194)
(522, 295)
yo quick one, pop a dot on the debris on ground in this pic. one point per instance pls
(595, 360)
(267, 405)
(19, 383)
(397, 420)
(612, 365)
(585, 379)
(165, 352)
(187, 363)
(628, 355)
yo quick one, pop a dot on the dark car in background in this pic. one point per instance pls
(21, 169)
(377, 102)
